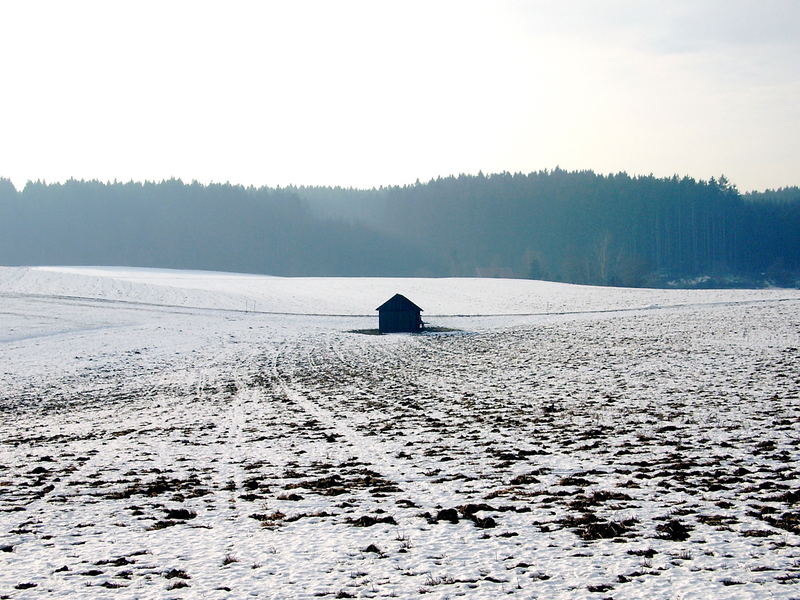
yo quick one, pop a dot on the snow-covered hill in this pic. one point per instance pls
(187, 434)
(346, 296)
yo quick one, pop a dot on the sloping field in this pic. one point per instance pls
(186, 434)
(347, 295)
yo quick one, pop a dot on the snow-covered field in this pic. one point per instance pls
(208, 435)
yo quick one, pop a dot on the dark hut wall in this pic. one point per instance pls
(398, 320)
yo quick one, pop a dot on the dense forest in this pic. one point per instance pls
(580, 227)
(188, 226)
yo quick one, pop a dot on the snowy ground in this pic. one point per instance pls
(186, 435)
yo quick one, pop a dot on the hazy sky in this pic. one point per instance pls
(374, 92)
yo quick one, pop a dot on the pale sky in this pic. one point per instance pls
(365, 93)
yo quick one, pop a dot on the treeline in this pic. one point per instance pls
(579, 227)
(189, 226)
(583, 227)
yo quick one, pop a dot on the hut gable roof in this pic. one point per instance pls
(398, 302)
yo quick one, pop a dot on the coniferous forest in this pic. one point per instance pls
(578, 227)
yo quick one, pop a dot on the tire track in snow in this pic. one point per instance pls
(376, 453)
(229, 452)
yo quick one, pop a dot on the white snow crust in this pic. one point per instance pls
(346, 295)
(184, 434)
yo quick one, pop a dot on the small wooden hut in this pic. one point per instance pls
(399, 314)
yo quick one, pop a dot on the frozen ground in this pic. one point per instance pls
(184, 434)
